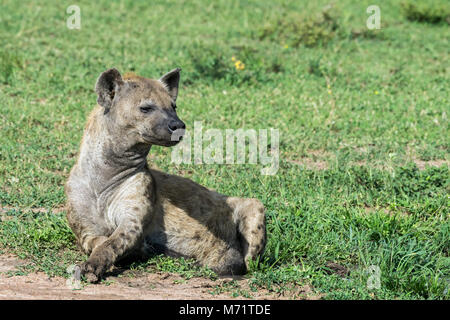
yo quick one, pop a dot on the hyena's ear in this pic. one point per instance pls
(171, 80)
(106, 87)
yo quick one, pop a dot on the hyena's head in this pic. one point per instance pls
(142, 109)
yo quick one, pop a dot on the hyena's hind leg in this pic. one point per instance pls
(249, 215)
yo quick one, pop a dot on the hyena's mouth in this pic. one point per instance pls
(170, 141)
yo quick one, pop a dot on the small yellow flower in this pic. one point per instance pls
(330, 92)
(239, 65)
(286, 46)
(376, 92)
(233, 58)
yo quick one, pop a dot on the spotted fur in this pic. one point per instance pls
(120, 208)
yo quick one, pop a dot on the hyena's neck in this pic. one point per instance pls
(102, 155)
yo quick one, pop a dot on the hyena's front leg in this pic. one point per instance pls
(129, 211)
(127, 236)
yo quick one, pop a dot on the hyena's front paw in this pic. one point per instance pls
(93, 270)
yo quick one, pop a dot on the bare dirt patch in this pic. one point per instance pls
(316, 160)
(129, 286)
(386, 210)
(4, 209)
(311, 164)
(336, 268)
(422, 165)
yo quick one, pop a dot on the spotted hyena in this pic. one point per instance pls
(120, 208)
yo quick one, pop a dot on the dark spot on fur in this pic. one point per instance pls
(197, 236)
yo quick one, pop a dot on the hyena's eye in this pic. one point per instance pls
(147, 108)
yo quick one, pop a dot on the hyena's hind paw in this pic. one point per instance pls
(251, 220)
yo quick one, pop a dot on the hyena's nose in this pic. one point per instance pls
(175, 125)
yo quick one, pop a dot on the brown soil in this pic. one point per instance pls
(432, 163)
(127, 286)
(311, 164)
(316, 160)
(59, 209)
(322, 164)
(336, 268)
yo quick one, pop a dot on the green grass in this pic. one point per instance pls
(365, 103)
(44, 239)
(186, 268)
